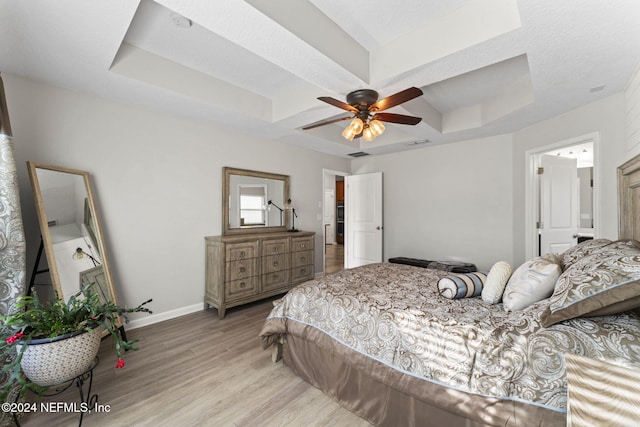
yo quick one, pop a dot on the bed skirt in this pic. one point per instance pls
(387, 397)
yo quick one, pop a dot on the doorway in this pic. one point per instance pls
(333, 220)
(584, 196)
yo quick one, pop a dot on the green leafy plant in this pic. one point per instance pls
(33, 319)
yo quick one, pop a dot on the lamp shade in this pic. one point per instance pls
(357, 124)
(5, 126)
(368, 134)
(349, 132)
(376, 127)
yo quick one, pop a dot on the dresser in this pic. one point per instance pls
(249, 267)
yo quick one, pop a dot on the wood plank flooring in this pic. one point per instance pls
(333, 258)
(198, 370)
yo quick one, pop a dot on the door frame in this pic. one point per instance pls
(532, 158)
(333, 173)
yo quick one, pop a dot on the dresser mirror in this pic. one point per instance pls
(253, 201)
(71, 232)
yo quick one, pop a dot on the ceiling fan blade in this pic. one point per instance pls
(396, 99)
(325, 122)
(338, 104)
(397, 118)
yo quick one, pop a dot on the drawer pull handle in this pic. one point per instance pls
(242, 284)
(302, 245)
(275, 263)
(242, 254)
(302, 259)
(242, 269)
(303, 271)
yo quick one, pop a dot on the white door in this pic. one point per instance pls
(363, 219)
(559, 204)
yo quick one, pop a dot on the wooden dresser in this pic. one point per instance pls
(245, 268)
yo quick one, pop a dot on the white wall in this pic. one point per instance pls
(158, 182)
(448, 202)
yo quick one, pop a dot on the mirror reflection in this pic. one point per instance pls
(254, 201)
(70, 229)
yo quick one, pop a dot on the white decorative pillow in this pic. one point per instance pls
(496, 281)
(462, 285)
(533, 281)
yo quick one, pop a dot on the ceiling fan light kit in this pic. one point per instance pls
(365, 107)
(354, 128)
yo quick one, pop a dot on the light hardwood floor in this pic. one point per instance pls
(198, 370)
(334, 258)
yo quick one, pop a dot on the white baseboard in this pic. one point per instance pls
(160, 317)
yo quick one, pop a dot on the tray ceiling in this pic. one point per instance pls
(257, 66)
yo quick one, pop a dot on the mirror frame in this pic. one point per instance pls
(46, 235)
(226, 177)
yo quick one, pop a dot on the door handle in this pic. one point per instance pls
(575, 236)
(378, 228)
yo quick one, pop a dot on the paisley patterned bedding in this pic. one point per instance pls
(394, 314)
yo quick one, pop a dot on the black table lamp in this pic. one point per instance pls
(294, 215)
(270, 203)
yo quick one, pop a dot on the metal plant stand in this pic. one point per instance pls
(87, 402)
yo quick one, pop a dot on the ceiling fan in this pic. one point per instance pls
(365, 109)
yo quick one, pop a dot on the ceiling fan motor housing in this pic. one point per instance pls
(362, 98)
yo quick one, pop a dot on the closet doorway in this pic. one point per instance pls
(333, 220)
(553, 203)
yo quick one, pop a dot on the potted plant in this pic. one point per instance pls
(36, 327)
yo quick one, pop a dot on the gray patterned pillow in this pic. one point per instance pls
(581, 250)
(607, 281)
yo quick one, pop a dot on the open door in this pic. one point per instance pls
(363, 219)
(558, 204)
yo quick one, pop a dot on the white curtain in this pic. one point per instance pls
(12, 241)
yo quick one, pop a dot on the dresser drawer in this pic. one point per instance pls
(240, 288)
(299, 259)
(274, 247)
(278, 279)
(300, 274)
(274, 263)
(239, 251)
(242, 269)
(301, 243)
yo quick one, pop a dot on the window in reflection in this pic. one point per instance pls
(253, 200)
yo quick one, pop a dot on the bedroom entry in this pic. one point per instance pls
(333, 220)
(563, 192)
(352, 218)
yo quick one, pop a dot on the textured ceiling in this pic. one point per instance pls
(486, 66)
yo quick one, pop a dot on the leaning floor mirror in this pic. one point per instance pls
(71, 231)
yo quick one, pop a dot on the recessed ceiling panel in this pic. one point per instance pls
(475, 86)
(154, 30)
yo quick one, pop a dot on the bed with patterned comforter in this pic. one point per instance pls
(463, 356)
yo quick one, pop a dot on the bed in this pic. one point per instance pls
(385, 341)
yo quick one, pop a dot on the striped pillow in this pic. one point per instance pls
(462, 285)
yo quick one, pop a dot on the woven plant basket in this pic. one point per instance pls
(57, 360)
